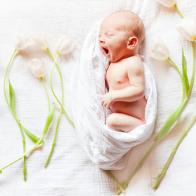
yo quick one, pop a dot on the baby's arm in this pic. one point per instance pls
(137, 83)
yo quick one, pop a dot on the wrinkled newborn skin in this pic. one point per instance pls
(121, 35)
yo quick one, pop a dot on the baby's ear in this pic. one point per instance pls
(132, 43)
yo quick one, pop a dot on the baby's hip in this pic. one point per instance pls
(136, 108)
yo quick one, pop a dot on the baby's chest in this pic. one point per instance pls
(116, 76)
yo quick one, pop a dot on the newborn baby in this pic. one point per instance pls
(121, 35)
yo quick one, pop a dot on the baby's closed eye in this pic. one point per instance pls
(110, 34)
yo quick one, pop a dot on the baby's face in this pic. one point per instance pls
(120, 35)
(113, 40)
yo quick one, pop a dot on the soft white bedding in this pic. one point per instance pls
(70, 171)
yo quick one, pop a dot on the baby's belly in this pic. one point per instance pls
(136, 109)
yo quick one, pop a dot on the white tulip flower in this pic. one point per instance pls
(187, 29)
(167, 3)
(65, 47)
(31, 46)
(37, 68)
(159, 50)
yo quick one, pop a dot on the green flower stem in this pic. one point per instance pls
(7, 69)
(193, 68)
(47, 95)
(61, 103)
(175, 66)
(54, 141)
(6, 76)
(59, 72)
(178, 11)
(163, 171)
(47, 124)
(166, 128)
(26, 154)
(38, 144)
(120, 187)
(24, 147)
(137, 168)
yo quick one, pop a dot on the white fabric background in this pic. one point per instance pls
(70, 172)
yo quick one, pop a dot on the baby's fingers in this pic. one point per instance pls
(107, 105)
(101, 96)
(104, 104)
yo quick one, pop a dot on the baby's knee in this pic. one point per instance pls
(112, 120)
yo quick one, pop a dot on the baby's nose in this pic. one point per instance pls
(101, 40)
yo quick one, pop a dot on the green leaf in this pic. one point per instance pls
(184, 73)
(12, 98)
(31, 136)
(166, 128)
(48, 122)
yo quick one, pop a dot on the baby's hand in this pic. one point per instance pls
(107, 99)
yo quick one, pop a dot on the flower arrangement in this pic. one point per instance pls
(33, 49)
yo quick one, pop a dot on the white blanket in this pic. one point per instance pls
(70, 171)
(105, 147)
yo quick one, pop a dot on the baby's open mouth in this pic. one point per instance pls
(105, 50)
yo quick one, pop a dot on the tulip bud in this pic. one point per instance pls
(159, 50)
(65, 47)
(31, 46)
(37, 68)
(187, 29)
(167, 3)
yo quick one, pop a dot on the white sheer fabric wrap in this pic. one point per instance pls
(104, 146)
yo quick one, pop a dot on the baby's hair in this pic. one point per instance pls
(135, 26)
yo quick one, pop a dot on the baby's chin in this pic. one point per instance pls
(113, 59)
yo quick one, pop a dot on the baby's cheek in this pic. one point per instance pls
(115, 44)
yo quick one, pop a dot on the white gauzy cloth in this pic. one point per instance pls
(104, 146)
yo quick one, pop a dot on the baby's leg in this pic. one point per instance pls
(122, 122)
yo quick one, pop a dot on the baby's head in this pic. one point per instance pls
(121, 34)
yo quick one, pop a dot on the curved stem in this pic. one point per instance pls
(165, 129)
(163, 172)
(54, 141)
(59, 72)
(120, 187)
(175, 66)
(193, 68)
(7, 69)
(141, 162)
(47, 95)
(6, 78)
(178, 11)
(61, 103)
(26, 154)
(37, 145)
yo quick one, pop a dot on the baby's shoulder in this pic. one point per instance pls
(134, 62)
